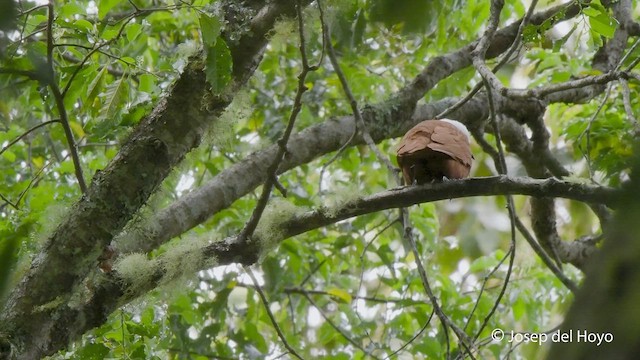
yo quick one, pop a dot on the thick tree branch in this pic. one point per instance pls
(489, 186)
(412, 195)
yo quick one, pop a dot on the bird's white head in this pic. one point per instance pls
(460, 126)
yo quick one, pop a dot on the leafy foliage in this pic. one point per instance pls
(348, 290)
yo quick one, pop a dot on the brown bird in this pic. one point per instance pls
(434, 150)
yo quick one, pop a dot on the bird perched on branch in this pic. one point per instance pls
(434, 150)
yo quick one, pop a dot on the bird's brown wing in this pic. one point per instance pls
(433, 149)
(447, 139)
(412, 147)
(415, 140)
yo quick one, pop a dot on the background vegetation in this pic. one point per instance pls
(216, 179)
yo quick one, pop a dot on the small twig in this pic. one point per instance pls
(491, 82)
(113, 71)
(360, 125)
(587, 133)
(283, 191)
(483, 287)
(518, 38)
(626, 96)
(626, 99)
(626, 56)
(633, 64)
(417, 335)
(385, 228)
(372, 299)
(324, 40)
(274, 322)
(122, 334)
(546, 259)
(444, 319)
(363, 258)
(50, 19)
(90, 53)
(336, 327)
(292, 314)
(34, 180)
(478, 54)
(32, 75)
(502, 168)
(30, 10)
(523, 230)
(73, 150)
(27, 133)
(272, 171)
(485, 146)
(7, 201)
(336, 156)
(59, 99)
(503, 61)
(543, 91)
(313, 271)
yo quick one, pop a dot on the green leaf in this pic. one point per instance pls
(77, 129)
(548, 62)
(530, 34)
(218, 65)
(114, 96)
(109, 33)
(358, 28)
(133, 30)
(146, 83)
(590, 11)
(83, 25)
(210, 28)
(414, 15)
(603, 24)
(483, 263)
(66, 167)
(104, 6)
(92, 352)
(149, 330)
(9, 155)
(95, 86)
(115, 335)
(560, 76)
(147, 315)
(340, 294)
(128, 60)
(69, 10)
(8, 14)
(557, 45)
(9, 240)
(519, 308)
(213, 169)
(597, 6)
